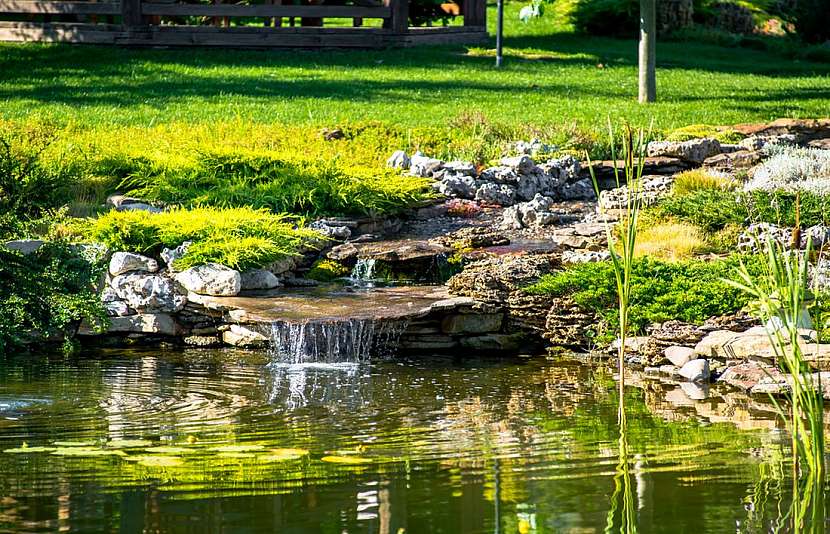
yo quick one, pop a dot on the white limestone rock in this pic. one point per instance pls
(125, 262)
(211, 279)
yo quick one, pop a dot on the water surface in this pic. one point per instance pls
(209, 441)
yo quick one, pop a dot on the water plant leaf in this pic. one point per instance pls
(238, 448)
(157, 461)
(282, 455)
(87, 451)
(169, 450)
(74, 444)
(347, 460)
(129, 443)
(27, 450)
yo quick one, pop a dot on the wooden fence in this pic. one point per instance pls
(311, 24)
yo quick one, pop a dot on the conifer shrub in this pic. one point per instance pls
(690, 291)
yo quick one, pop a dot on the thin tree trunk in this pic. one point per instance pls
(648, 55)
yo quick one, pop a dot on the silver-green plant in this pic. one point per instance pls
(621, 248)
(781, 296)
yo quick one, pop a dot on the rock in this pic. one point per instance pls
(511, 343)
(562, 170)
(148, 293)
(679, 356)
(500, 194)
(652, 189)
(695, 370)
(529, 214)
(117, 308)
(633, 344)
(473, 237)
(464, 168)
(283, 265)
(452, 303)
(584, 256)
(124, 203)
(580, 190)
(335, 232)
(457, 186)
(211, 279)
(168, 256)
(527, 187)
(732, 162)
(202, 341)
(346, 253)
(747, 375)
(108, 294)
(259, 279)
(755, 237)
(398, 160)
(240, 336)
(25, 246)
(493, 279)
(472, 323)
(124, 262)
(694, 151)
(423, 166)
(440, 343)
(145, 323)
(604, 170)
(521, 163)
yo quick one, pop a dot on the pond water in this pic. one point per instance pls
(216, 441)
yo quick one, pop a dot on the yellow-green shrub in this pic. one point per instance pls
(700, 131)
(325, 270)
(698, 179)
(241, 238)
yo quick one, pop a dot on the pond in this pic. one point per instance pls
(210, 441)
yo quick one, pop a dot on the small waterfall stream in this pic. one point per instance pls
(338, 341)
(363, 271)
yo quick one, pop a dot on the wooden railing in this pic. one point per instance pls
(159, 22)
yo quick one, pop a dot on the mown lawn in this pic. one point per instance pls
(550, 78)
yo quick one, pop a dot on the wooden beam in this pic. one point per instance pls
(263, 10)
(59, 8)
(399, 21)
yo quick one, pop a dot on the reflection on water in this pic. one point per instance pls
(221, 441)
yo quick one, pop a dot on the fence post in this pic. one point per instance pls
(399, 21)
(475, 12)
(131, 15)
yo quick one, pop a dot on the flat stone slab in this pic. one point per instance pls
(326, 303)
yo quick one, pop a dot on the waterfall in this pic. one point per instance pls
(339, 341)
(364, 270)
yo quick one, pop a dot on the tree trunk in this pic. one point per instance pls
(648, 56)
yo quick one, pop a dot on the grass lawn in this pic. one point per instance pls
(550, 77)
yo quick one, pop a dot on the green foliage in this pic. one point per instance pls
(240, 238)
(699, 131)
(601, 17)
(779, 207)
(260, 180)
(709, 209)
(689, 182)
(325, 270)
(44, 294)
(689, 291)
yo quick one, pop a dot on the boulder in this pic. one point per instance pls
(500, 194)
(522, 163)
(240, 336)
(464, 168)
(511, 343)
(117, 308)
(211, 279)
(472, 323)
(283, 265)
(584, 256)
(679, 356)
(457, 186)
(335, 232)
(398, 160)
(652, 189)
(693, 151)
(125, 262)
(259, 279)
(168, 255)
(345, 253)
(148, 293)
(695, 370)
(145, 323)
(424, 166)
(125, 203)
(580, 190)
(25, 246)
(202, 341)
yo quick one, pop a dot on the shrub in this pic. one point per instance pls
(45, 293)
(670, 241)
(699, 131)
(240, 238)
(779, 207)
(690, 291)
(327, 270)
(261, 180)
(712, 210)
(793, 169)
(696, 180)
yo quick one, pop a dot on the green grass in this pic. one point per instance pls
(550, 77)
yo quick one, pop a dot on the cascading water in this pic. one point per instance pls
(364, 271)
(342, 341)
